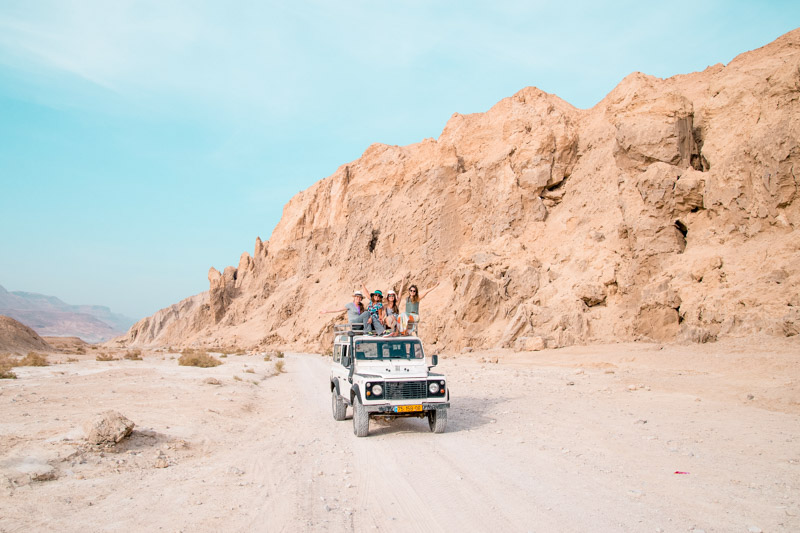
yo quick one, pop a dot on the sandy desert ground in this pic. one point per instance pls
(575, 439)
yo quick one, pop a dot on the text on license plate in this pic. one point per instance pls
(407, 408)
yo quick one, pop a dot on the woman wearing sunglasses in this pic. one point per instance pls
(407, 321)
(377, 314)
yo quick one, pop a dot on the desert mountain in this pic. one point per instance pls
(50, 316)
(666, 212)
(18, 338)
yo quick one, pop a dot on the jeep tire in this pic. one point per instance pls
(360, 418)
(338, 406)
(437, 420)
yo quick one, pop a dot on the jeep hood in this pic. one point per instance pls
(394, 368)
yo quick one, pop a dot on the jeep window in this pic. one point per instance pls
(337, 353)
(388, 349)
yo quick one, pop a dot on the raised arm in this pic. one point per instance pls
(366, 292)
(326, 311)
(424, 294)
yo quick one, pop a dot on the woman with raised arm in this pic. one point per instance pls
(376, 312)
(411, 316)
(356, 314)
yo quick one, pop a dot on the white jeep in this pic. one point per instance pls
(385, 377)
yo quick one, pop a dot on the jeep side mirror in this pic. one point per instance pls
(434, 360)
(346, 361)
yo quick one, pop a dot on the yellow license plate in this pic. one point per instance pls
(407, 408)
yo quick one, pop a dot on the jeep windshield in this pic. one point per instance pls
(388, 349)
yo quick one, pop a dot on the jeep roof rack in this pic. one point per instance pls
(358, 329)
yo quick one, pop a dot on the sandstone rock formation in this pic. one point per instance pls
(666, 212)
(17, 338)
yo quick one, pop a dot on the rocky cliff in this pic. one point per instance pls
(666, 212)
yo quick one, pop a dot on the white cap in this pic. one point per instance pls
(358, 293)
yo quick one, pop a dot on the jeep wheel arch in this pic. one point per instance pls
(355, 393)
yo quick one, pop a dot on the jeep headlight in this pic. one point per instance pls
(377, 390)
(433, 387)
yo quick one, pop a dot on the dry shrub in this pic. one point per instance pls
(250, 371)
(135, 355)
(279, 366)
(223, 355)
(105, 357)
(279, 355)
(6, 364)
(33, 359)
(237, 378)
(201, 359)
(72, 360)
(268, 357)
(80, 349)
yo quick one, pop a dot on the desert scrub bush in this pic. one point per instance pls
(237, 378)
(80, 349)
(223, 355)
(268, 357)
(201, 359)
(105, 357)
(135, 355)
(6, 364)
(249, 370)
(72, 360)
(33, 359)
(279, 355)
(279, 366)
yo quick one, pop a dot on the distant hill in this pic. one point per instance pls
(49, 316)
(20, 339)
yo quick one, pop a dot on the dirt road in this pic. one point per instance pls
(581, 439)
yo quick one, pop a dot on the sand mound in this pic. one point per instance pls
(18, 338)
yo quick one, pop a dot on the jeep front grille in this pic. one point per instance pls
(405, 390)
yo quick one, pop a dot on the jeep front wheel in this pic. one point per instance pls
(338, 406)
(437, 420)
(360, 418)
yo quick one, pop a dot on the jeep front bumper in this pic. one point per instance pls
(389, 409)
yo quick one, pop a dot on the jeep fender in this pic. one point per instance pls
(335, 386)
(355, 392)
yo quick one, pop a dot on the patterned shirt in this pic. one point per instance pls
(373, 309)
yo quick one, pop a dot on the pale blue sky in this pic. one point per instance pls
(143, 141)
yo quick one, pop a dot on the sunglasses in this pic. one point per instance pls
(413, 290)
